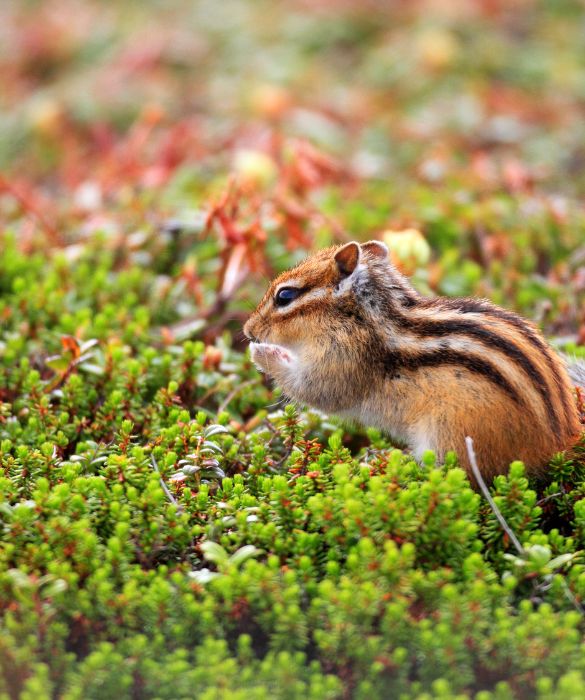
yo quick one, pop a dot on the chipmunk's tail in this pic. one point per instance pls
(576, 369)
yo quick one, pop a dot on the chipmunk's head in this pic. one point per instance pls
(316, 324)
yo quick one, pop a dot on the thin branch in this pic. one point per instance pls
(549, 497)
(165, 488)
(478, 477)
(234, 393)
(30, 208)
(571, 597)
(477, 474)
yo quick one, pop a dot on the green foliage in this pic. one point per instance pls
(153, 543)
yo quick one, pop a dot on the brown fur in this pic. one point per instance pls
(359, 341)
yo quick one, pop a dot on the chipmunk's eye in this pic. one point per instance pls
(285, 295)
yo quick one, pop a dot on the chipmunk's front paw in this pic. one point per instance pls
(271, 358)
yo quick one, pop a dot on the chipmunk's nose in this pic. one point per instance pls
(248, 332)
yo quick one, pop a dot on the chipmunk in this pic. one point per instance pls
(346, 333)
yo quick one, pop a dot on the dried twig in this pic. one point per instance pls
(571, 597)
(234, 393)
(549, 498)
(165, 488)
(484, 489)
(30, 208)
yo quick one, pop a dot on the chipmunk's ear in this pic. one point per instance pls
(375, 248)
(348, 258)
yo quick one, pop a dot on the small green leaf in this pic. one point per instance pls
(58, 363)
(561, 560)
(214, 552)
(215, 429)
(243, 553)
(538, 555)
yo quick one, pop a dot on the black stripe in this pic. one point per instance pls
(482, 306)
(536, 341)
(395, 361)
(298, 310)
(473, 329)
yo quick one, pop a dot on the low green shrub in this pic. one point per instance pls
(163, 536)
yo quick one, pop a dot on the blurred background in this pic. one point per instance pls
(217, 142)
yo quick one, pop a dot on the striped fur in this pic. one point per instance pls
(448, 357)
(430, 327)
(361, 342)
